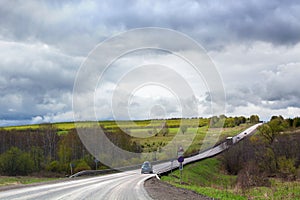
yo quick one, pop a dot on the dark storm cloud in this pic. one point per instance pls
(77, 26)
(35, 80)
(42, 44)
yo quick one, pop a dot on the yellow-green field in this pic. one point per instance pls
(143, 132)
(115, 124)
(197, 135)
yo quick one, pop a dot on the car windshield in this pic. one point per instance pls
(146, 164)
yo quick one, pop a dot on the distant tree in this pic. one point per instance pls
(64, 152)
(290, 122)
(270, 130)
(203, 122)
(239, 120)
(183, 128)
(242, 119)
(276, 117)
(254, 119)
(230, 122)
(36, 154)
(267, 133)
(50, 140)
(278, 124)
(296, 122)
(222, 116)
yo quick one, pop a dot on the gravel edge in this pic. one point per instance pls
(159, 190)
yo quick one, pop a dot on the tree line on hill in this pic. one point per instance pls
(273, 152)
(44, 149)
(229, 122)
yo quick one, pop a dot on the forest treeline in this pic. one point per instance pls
(44, 150)
(48, 149)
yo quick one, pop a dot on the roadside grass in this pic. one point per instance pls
(22, 180)
(206, 177)
(214, 193)
(278, 190)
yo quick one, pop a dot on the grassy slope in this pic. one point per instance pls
(206, 177)
(20, 180)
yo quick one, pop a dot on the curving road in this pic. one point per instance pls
(124, 185)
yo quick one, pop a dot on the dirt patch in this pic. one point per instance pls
(159, 190)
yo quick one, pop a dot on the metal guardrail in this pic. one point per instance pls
(107, 171)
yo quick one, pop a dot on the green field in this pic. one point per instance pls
(59, 126)
(143, 132)
(195, 135)
(22, 180)
(139, 124)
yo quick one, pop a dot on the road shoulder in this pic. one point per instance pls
(159, 190)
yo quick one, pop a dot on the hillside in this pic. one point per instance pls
(264, 166)
(53, 148)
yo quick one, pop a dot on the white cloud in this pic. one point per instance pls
(260, 74)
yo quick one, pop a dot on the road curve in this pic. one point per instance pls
(124, 185)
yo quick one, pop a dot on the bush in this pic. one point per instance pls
(53, 166)
(82, 165)
(298, 172)
(15, 162)
(266, 161)
(287, 167)
(232, 159)
(250, 176)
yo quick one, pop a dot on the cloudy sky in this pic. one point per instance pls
(254, 45)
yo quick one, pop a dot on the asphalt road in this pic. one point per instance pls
(124, 185)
